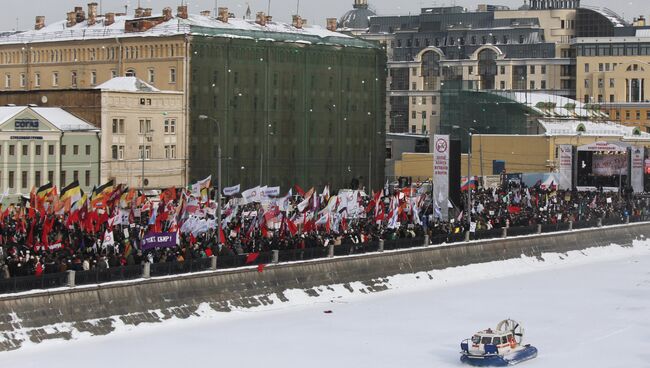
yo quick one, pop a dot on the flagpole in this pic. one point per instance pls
(218, 195)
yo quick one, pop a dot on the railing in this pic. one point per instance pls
(98, 276)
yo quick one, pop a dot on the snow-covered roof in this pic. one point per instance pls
(58, 117)
(194, 24)
(553, 106)
(562, 127)
(127, 84)
(617, 20)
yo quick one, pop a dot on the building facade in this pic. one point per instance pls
(46, 145)
(296, 104)
(143, 135)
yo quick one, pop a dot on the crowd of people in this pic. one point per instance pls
(115, 226)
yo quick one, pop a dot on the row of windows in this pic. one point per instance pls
(24, 178)
(90, 54)
(531, 85)
(601, 83)
(74, 77)
(423, 114)
(169, 126)
(629, 49)
(50, 149)
(628, 115)
(117, 151)
(452, 41)
(423, 100)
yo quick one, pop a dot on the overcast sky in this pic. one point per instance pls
(22, 12)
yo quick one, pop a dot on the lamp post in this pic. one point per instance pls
(469, 168)
(205, 117)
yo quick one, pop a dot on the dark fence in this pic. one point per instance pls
(48, 281)
(97, 276)
(24, 283)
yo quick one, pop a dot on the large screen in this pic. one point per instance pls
(609, 165)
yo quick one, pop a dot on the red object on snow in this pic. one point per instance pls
(251, 257)
(260, 267)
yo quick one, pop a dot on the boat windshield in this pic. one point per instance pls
(476, 339)
(486, 340)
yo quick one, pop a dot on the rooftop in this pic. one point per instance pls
(58, 117)
(553, 106)
(127, 84)
(588, 128)
(194, 25)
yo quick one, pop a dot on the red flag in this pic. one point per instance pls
(192, 239)
(251, 257)
(514, 209)
(293, 229)
(264, 230)
(222, 236)
(299, 190)
(260, 267)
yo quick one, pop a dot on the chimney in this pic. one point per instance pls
(331, 24)
(72, 19)
(297, 21)
(40, 22)
(109, 19)
(167, 14)
(80, 15)
(147, 12)
(260, 18)
(139, 12)
(92, 13)
(269, 19)
(205, 13)
(182, 11)
(223, 15)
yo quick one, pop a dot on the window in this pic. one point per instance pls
(25, 150)
(611, 83)
(647, 114)
(145, 126)
(611, 98)
(503, 70)
(600, 99)
(23, 80)
(543, 67)
(114, 152)
(170, 126)
(424, 100)
(532, 84)
(75, 175)
(470, 70)
(73, 78)
(586, 68)
(87, 150)
(151, 76)
(503, 84)
(413, 86)
(585, 99)
(601, 67)
(586, 83)
(93, 78)
(63, 181)
(130, 73)
(424, 115)
(601, 83)
(37, 178)
(638, 114)
(627, 114)
(170, 151)
(414, 100)
(75, 150)
(63, 149)
(115, 122)
(50, 176)
(532, 69)
(55, 79)
(496, 340)
(11, 180)
(50, 149)
(38, 150)
(7, 80)
(414, 71)
(413, 129)
(23, 179)
(87, 178)
(37, 79)
(113, 73)
(172, 75)
(12, 150)
(414, 114)
(543, 84)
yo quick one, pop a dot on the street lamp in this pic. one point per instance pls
(469, 168)
(205, 117)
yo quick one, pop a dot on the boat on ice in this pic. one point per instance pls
(500, 347)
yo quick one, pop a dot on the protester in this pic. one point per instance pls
(116, 226)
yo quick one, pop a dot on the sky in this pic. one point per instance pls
(23, 12)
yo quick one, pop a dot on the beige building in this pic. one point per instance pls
(614, 73)
(143, 134)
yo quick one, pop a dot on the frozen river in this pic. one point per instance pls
(585, 309)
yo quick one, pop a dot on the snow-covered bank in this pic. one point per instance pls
(583, 308)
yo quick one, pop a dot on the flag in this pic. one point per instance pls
(44, 191)
(252, 195)
(251, 257)
(271, 191)
(108, 240)
(326, 193)
(299, 190)
(200, 188)
(231, 191)
(168, 194)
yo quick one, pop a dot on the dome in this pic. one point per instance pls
(356, 18)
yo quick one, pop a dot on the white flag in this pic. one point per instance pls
(230, 191)
(108, 241)
(271, 191)
(252, 195)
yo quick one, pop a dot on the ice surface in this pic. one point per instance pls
(586, 308)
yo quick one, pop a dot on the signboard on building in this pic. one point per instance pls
(637, 169)
(27, 124)
(565, 155)
(441, 175)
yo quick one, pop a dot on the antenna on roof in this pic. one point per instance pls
(298, 7)
(216, 9)
(268, 10)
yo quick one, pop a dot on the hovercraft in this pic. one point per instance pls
(497, 348)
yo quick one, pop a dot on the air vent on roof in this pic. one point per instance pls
(32, 105)
(11, 105)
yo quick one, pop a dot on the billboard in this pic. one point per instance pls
(565, 154)
(637, 169)
(441, 175)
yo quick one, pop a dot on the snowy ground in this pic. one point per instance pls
(584, 309)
